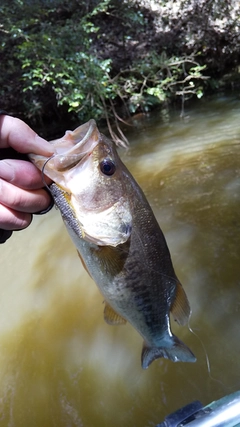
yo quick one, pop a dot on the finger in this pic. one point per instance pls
(23, 200)
(13, 220)
(22, 174)
(4, 235)
(18, 135)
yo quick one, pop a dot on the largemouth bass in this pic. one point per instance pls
(118, 239)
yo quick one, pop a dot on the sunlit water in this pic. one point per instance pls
(60, 364)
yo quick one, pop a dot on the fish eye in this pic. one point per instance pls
(107, 167)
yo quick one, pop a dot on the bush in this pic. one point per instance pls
(65, 62)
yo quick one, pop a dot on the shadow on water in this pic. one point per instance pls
(60, 364)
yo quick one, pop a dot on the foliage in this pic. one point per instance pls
(47, 53)
(81, 59)
(158, 78)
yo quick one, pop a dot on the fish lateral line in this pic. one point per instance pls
(161, 274)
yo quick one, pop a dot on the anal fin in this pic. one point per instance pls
(111, 317)
(180, 308)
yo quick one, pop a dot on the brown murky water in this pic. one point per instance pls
(60, 364)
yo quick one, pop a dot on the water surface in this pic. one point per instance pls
(60, 364)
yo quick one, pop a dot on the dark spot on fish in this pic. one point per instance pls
(126, 229)
(107, 167)
(142, 300)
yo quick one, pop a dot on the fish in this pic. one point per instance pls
(118, 239)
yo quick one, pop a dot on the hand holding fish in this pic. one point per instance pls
(21, 188)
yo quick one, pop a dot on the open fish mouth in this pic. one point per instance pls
(73, 147)
(69, 150)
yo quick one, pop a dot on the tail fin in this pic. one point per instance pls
(177, 352)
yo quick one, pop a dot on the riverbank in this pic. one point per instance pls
(109, 60)
(170, 52)
(207, 31)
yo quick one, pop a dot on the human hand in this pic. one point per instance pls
(22, 191)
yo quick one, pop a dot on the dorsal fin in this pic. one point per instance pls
(180, 308)
(111, 317)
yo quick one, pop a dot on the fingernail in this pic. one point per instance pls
(45, 148)
(7, 170)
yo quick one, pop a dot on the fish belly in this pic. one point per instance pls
(137, 294)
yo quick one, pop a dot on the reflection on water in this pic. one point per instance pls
(60, 364)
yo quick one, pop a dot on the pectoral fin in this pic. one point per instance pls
(111, 317)
(180, 308)
(111, 259)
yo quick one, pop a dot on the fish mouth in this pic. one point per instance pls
(74, 147)
(69, 150)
